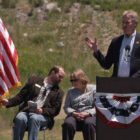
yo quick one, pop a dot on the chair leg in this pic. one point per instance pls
(44, 135)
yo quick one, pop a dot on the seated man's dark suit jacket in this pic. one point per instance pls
(31, 90)
(113, 53)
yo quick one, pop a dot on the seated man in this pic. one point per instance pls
(79, 107)
(40, 101)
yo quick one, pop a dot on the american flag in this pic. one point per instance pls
(9, 75)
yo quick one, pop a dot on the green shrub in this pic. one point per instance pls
(36, 3)
(9, 3)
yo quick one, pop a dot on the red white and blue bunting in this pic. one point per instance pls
(118, 111)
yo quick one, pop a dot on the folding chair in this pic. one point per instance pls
(44, 128)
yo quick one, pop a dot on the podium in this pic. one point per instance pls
(128, 128)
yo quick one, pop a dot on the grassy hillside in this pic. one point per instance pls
(59, 39)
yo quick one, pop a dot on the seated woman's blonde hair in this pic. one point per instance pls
(79, 74)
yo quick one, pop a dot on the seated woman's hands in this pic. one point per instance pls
(80, 115)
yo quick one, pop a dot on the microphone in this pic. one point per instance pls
(127, 52)
(127, 48)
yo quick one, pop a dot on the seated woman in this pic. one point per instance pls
(79, 107)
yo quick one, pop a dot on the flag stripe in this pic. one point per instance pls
(6, 37)
(4, 76)
(4, 43)
(2, 72)
(9, 70)
(9, 75)
(3, 85)
(2, 91)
